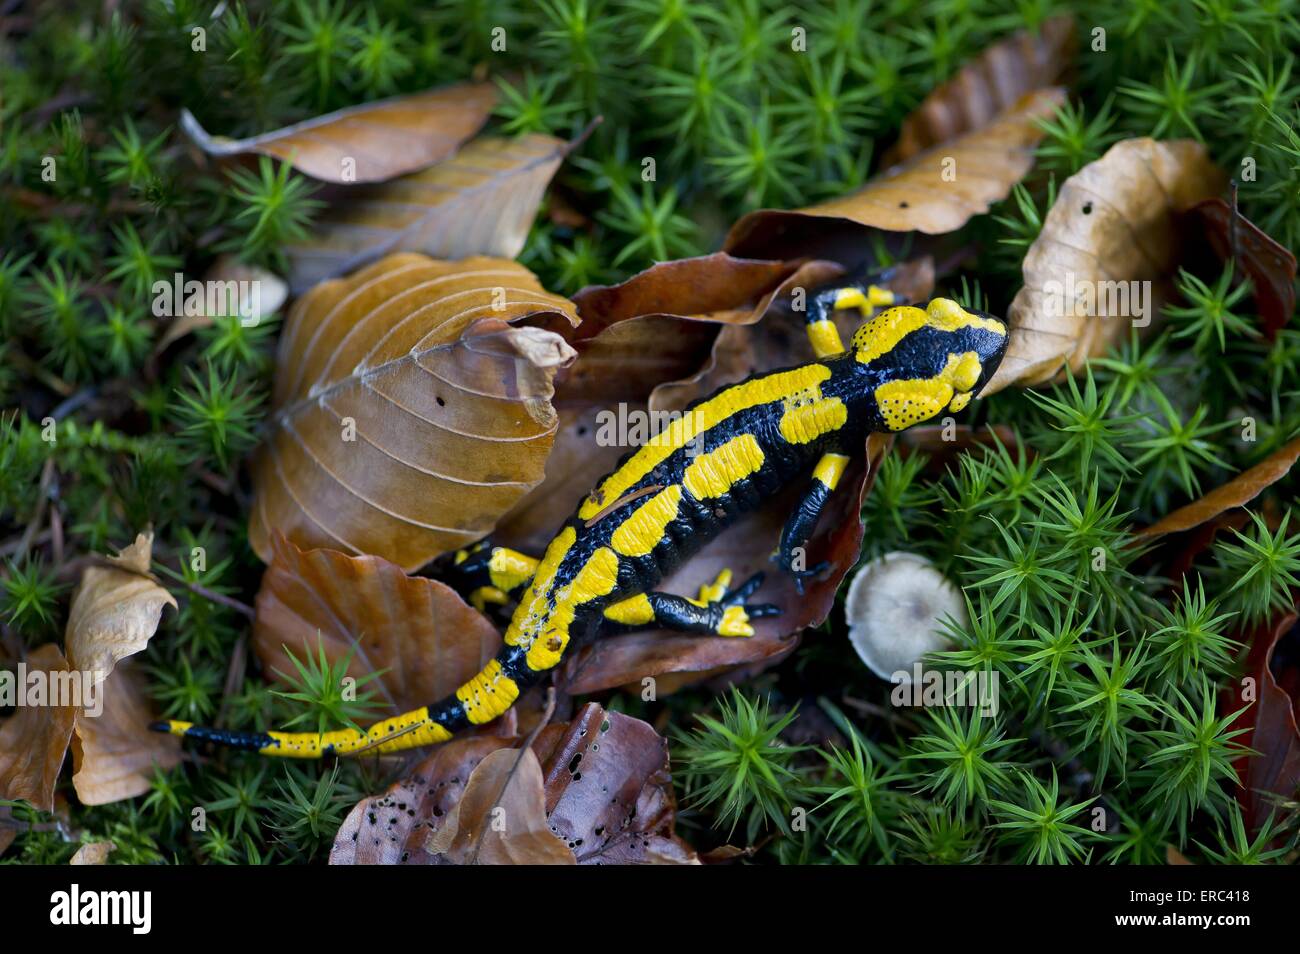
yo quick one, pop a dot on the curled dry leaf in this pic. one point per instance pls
(417, 632)
(987, 85)
(500, 818)
(605, 792)
(115, 610)
(412, 408)
(482, 201)
(1237, 492)
(93, 853)
(1270, 266)
(1115, 222)
(391, 829)
(368, 143)
(934, 192)
(114, 754)
(34, 740)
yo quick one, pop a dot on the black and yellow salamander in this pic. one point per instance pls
(724, 456)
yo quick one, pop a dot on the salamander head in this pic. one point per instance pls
(923, 361)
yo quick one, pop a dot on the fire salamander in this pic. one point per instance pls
(725, 456)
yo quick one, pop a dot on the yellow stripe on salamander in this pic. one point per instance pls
(488, 694)
(640, 533)
(597, 578)
(409, 729)
(808, 415)
(715, 473)
(634, 611)
(830, 469)
(765, 390)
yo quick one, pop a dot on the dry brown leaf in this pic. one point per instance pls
(368, 143)
(609, 792)
(934, 192)
(34, 740)
(115, 610)
(482, 201)
(606, 792)
(1115, 220)
(412, 408)
(1272, 772)
(114, 754)
(93, 853)
(418, 631)
(500, 818)
(1237, 492)
(391, 829)
(1270, 266)
(987, 85)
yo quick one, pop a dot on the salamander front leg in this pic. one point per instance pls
(792, 554)
(823, 335)
(484, 573)
(717, 612)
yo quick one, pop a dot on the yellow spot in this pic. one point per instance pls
(808, 415)
(484, 595)
(710, 413)
(597, 578)
(510, 569)
(715, 473)
(461, 557)
(830, 469)
(488, 694)
(177, 727)
(715, 591)
(640, 533)
(735, 622)
(966, 372)
(866, 302)
(881, 334)
(825, 338)
(904, 403)
(946, 315)
(635, 611)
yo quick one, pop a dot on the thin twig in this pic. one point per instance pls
(227, 601)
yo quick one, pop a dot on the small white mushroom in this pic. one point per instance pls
(895, 609)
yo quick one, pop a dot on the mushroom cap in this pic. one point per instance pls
(895, 609)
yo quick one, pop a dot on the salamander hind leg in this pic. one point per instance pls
(718, 611)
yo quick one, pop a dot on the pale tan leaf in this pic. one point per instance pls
(1114, 221)
(115, 611)
(93, 853)
(113, 753)
(482, 201)
(987, 85)
(368, 143)
(34, 740)
(501, 817)
(412, 408)
(417, 631)
(934, 192)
